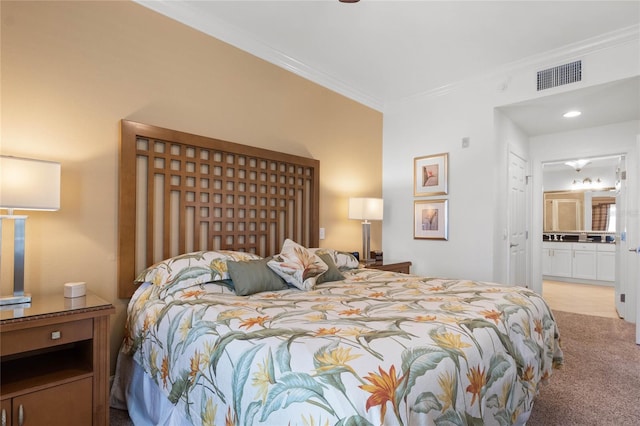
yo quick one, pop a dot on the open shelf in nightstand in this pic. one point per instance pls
(40, 369)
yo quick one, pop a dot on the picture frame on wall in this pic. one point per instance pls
(430, 220)
(430, 175)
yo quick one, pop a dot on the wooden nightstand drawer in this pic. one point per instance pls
(29, 339)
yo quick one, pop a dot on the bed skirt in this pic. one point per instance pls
(134, 391)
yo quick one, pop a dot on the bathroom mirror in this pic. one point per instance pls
(580, 196)
(577, 211)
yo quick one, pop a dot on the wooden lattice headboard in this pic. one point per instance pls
(181, 192)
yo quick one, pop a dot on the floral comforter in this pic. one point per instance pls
(376, 348)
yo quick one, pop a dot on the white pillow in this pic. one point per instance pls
(297, 265)
(343, 260)
(188, 269)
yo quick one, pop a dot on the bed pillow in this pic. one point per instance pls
(297, 265)
(192, 268)
(345, 261)
(332, 273)
(342, 259)
(254, 276)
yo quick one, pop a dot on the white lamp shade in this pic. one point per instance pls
(366, 208)
(27, 184)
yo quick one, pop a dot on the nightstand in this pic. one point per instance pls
(54, 361)
(402, 267)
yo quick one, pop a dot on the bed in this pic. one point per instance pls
(287, 333)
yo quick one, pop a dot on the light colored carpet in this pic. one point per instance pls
(599, 384)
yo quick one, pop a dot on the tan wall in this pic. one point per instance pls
(72, 70)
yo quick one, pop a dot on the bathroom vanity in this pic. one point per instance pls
(591, 262)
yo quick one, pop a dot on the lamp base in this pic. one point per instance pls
(366, 232)
(19, 296)
(14, 300)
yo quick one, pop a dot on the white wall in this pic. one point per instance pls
(561, 180)
(430, 126)
(436, 122)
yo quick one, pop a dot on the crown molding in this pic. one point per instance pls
(562, 54)
(223, 31)
(573, 50)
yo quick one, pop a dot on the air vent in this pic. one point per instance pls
(562, 74)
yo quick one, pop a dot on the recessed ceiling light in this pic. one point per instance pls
(571, 114)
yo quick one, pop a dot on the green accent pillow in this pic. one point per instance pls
(333, 273)
(254, 276)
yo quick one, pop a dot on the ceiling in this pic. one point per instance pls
(600, 105)
(377, 52)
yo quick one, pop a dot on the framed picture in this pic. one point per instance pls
(430, 175)
(430, 219)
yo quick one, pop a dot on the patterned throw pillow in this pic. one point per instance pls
(297, 265)
(343, 260)
(193, 268)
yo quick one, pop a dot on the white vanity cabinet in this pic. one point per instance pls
(584, 261)
(606, 262)
(556, 259)
(579, 261)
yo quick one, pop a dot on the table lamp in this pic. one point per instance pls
(366, 209)
(25, 184)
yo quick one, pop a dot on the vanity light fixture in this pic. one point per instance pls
(587, 183)
(571, 114)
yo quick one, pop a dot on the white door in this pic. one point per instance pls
(628, 247)
(621, 240)
(517, 221)
(635, 227)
